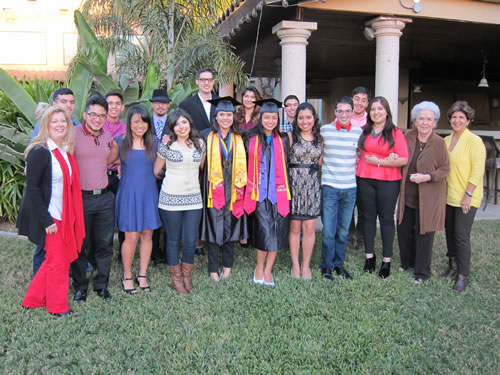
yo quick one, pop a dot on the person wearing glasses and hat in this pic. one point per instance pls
(225, 176)
(267, 195)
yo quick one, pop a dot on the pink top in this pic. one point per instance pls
(115, 129)
(91, 154)
(359, 122)
(373, 147)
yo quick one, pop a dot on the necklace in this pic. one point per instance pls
(421, 145)
(376, 134)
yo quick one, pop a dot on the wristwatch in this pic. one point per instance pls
(468, 194)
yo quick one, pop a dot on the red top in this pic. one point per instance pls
(380, 149)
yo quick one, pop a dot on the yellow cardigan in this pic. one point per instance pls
(467, 162)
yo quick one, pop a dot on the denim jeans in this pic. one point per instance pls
(179, 225)
(338, 205)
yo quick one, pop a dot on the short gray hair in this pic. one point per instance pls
(431, 106)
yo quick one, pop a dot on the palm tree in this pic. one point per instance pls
(177, 36)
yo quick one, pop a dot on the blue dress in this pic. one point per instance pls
(136, 207)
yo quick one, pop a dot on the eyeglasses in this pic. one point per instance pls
(93, 116)
(347, 112)
(206, 80)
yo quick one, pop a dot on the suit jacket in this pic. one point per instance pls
(194, 107)
(34, 214)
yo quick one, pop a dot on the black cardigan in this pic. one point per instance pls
(34, 214)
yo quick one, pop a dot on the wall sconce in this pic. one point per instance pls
(483, 82)
(417, 8)
(369, 33)
(417, 89)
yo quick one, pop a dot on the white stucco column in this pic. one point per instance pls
(293, 40)
(226, 89)
(387, 33)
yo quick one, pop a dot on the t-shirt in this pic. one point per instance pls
(379, 148)
(339, 159)
(180, 189)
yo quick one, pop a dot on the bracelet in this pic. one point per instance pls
(468, 194)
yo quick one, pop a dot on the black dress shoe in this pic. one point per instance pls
(60, 315)
(103, 293)
(199, 251)
(370, 264)
(385, 270)
(341, 271)
(81, 295)
(327, 273)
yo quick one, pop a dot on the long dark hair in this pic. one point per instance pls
(147, 138)
(235, 127)
(259, 130)
(194, 138)
(317, 141)
(387, 136)
(240, 112)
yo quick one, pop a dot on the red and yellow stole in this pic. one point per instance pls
(283, 195)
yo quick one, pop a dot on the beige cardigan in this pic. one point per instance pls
(432, 160)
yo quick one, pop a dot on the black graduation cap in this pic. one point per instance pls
(269, 105)
(224, 104)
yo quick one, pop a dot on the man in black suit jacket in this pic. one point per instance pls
(198, 107)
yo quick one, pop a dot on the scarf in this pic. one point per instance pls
(216, 195)
(278, 181)
(72, 224)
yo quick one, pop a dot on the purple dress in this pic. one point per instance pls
(136, 207)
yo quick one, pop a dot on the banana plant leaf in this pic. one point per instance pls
(14, 136)
(80, 83)
(10, 155)
(23, 101)
(90, 44)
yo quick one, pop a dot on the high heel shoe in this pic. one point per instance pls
(385, 270)
(370, 264)
(144, 288)
(128, 291)
(265, 283)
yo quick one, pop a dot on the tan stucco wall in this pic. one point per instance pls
(460, 10)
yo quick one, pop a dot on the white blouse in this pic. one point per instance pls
(56, 198)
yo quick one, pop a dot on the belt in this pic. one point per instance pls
(95, 192)
(311, 166)
(113, 172)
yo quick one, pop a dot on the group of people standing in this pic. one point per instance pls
(211, 172)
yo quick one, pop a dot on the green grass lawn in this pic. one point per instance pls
(366, 326)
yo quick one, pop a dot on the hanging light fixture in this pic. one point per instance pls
(483, 82)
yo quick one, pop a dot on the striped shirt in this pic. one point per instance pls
(339, 160)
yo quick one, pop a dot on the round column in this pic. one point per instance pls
(387, 33)
(293, 40)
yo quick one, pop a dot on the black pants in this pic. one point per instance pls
(458, 227)
(99, 216)
(159, 252)
(415, 249)
(227, 250)
(378, 198)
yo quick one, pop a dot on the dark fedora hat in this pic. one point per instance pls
(160, 95)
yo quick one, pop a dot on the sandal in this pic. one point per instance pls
(144, 288)
(128, 291)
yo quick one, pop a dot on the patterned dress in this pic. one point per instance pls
(305, 180)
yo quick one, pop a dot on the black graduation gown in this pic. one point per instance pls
(268, 229)
(221, 226)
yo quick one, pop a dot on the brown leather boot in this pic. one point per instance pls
(176, 275)
(461, 283)
(187, 269)
(452, 268)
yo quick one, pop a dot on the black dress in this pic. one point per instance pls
(268, 229)
(221, 226)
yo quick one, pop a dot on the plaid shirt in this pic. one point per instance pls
(286, 126)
